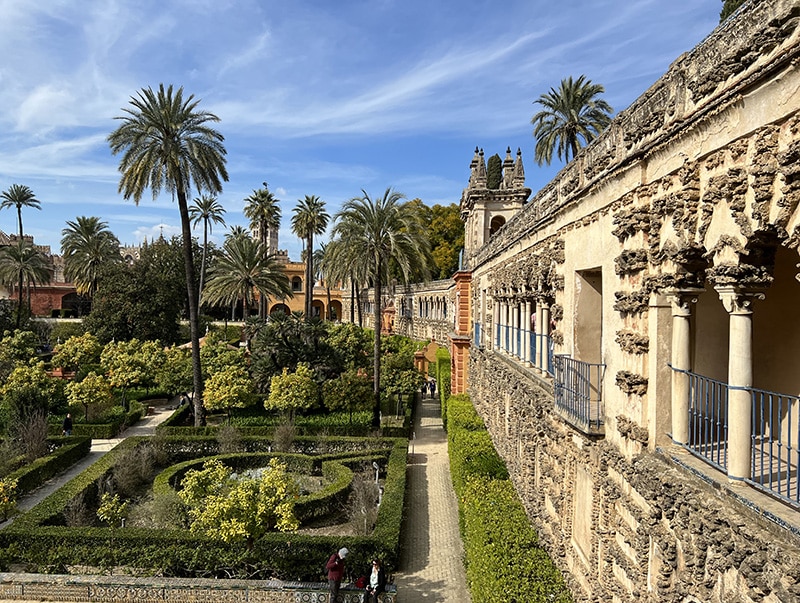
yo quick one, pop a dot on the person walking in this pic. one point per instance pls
(66, 426)
(432, 387)
(377, 582)
(335, 567)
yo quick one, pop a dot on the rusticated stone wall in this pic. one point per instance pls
(628, 528)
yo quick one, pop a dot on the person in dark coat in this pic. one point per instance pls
(66, 426)
(376, 582)
(335, 567)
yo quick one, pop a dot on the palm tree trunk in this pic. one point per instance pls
(19, 301)
(376, 365)
(262, 299)
(203, 264)
(353, 300)
(309, 274)
(328, 291)
(194, 326)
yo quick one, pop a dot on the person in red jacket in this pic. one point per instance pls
(335, 567)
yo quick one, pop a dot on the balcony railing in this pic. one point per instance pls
(578, 390)
(776, 455)
(775, 433)
(708, 420)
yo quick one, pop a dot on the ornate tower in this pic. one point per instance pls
(484, 210)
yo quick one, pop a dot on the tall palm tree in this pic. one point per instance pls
(24, 263)
(241, 269)
(19, 196)
(264, 213)
(87, 245)
(571, 113)
(209, 211)
(167, 143)
(386, 231)
(309, 218)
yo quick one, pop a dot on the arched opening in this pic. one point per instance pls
(317, 309)
(279, 309)
(336, 310)
(297, 284)
(496, 224)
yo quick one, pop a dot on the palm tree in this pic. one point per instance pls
(205, 209)
(571, 113)
(19, 196)
(243, 268)
(87, 245)
(348, 264)
(385, 231)
(309, 218)
(167, 143)
(237, 231)
(24, 263)
(264, 213)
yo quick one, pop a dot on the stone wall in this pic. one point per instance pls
(624, 527)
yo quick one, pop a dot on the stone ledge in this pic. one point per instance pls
(105, 589)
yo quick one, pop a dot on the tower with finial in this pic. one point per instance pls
(484, 210)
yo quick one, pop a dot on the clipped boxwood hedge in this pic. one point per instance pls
(68, 452)
(502, 554)
(39, 539)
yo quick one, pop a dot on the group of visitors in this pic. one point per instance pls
(429, 388)
(373, 582)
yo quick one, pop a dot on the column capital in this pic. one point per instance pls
(681, 300)
(739, 300)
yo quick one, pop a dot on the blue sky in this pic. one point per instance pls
(315, 97)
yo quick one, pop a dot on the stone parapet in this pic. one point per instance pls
(111, 589)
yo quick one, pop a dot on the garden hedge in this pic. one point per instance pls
(502, 556)
(40, 540)
(68, 451)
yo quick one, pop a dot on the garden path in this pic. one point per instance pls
(431, 557)
(145, 426)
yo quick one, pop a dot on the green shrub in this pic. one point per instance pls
(41, 539)
(503, 554)
(501, 548)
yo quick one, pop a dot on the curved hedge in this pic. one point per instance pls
(502, 556)
(39, 540)
(324, 503)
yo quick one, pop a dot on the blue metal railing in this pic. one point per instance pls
(578, 390)
(708, 419)
(775, 450)
(775, 433)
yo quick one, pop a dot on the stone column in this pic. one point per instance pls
(515, 328)
(545, 331)
(681, 301)
(738, 303)
(506, 330)
(538, 331)
(495, 334)
(526, 339)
